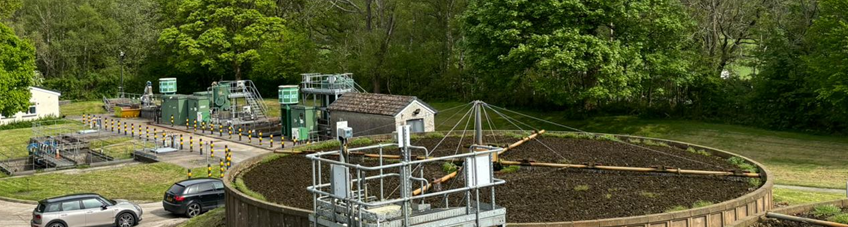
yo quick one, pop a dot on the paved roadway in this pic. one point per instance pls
(19, 214)
(14, 214)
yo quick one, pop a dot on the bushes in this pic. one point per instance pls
(449, 167)
(742, 164)
(27, 124)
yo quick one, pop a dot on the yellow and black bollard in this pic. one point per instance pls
(222, 169)
(146, 133)
(201, 146)
(125, 128)
(271, 140)
(163, 138)
(211, 128)
(139, 131)
(229, 159)
(230, 131)
(202, 127)
(154, 135)
(181, 141)
(172, 120)
(212, 149)
(250, 136)
(220, 130)
(186, 123)
(189, 173)
(208, 170)
(282, 141)
(239, 134)
(132, 130)
(191, 144)
(260, 138)
(195, 126)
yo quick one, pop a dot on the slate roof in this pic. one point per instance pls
(370, 103)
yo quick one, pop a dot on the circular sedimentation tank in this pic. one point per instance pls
(588, 194)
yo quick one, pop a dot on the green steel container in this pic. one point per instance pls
(286, 120)
(198, 108)
(202, 93)
(297, 116)
(220, 96)
(168, 85)
(288, 94)
(175, 105)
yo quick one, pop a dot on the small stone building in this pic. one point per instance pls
(370, 114)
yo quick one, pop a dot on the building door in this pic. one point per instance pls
(416, 125)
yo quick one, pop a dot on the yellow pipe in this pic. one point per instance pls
(440, 180)
(522, 141)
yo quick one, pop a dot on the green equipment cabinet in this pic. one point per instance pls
(176, 106)
(288, 94)
(198, 108)
(220, 95)
(298, 121)
(168, 85)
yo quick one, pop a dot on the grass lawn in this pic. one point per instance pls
(118, 147)
(143, 182)
(273, 107)
(13, 142)
(795, 197)
(78, 108)
(212, 218)
(794, 158)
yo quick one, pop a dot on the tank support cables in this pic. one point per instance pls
(617, 141)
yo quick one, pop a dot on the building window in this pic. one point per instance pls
(31, 110)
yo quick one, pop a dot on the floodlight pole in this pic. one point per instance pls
(121, 88)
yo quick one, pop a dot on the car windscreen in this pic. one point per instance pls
(176, 189)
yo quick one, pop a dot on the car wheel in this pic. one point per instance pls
(57, 224)
(193, 210)
(126, 220)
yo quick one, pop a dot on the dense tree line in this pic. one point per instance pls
(770, 63)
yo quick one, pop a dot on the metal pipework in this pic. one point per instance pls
(440, 180)
(522, 141)
(804, 220)
(635, 169)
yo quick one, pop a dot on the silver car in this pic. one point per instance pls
(85, 210)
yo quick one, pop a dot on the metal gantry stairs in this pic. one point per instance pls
(247, 89)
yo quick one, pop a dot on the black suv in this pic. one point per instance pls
(194, 196)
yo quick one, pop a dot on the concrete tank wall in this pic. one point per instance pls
(243, 210)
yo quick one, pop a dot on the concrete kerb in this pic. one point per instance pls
(7, 199)
(728, 210)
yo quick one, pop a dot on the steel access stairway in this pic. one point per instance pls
(247, 90)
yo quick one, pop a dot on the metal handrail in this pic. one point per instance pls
(317, 157)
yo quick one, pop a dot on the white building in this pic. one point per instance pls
(43, 103)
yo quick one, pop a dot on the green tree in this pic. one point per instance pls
(828, 59)
(17, 67)
(8, 7)
(587, 52)
(221, 35)
(78, 42)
